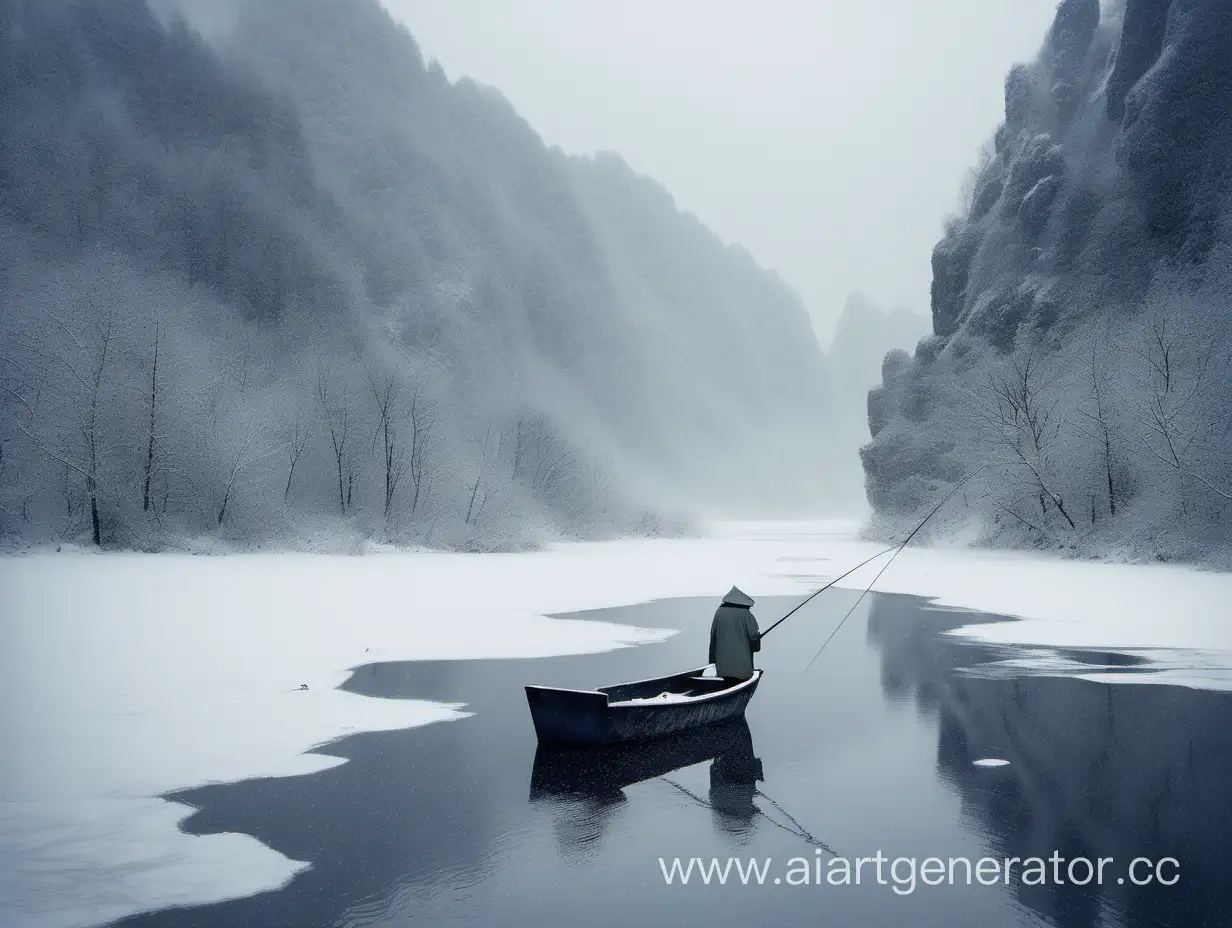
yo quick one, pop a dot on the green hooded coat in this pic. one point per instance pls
(734, 636)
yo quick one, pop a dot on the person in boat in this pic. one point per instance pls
(734, 636)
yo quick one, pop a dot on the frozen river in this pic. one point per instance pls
(138, 689)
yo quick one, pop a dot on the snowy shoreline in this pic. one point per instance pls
(139, 675)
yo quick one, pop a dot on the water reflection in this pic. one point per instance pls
(1095, 770)
(734, 776)
(584, 784)
(434, 826)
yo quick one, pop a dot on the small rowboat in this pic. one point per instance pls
(638, 710)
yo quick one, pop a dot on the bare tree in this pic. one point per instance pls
(91, 427)
(481, 489)
(297, 441)
(420, 460)
(1011, 511)
(387, 396)
(1020, 413)
(17, 377)
(1099, 371)
(72, 500)
(244, 457)
(541, 460)
(1178, 363)
(149, 452)
(18, 400)
(589, 491)
(85, 360)
(62, 389)
(336, 412)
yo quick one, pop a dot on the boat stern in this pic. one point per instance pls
(576, 716)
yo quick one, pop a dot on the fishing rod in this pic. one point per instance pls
(823, 589)
(897, 551)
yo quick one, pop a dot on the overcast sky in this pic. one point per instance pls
(829, 138)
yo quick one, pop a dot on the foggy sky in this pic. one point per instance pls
(831, 139)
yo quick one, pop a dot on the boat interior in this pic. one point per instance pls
(690, 683)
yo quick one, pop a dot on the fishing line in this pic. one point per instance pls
(822, 590)
(773, 821)
(897, 551)
(804, 832)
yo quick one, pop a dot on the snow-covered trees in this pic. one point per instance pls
(1019, 411)
(298, 280)
(1120, 435)
(1081, 301)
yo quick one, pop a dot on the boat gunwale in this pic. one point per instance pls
(629, 704)
(563, 689)
(688, 700)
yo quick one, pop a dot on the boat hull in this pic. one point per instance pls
(611, 714)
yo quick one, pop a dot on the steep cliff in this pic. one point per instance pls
(1080, 302)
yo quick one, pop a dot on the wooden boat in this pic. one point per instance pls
(634, 711)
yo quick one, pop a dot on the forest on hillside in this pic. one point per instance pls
(292, 285)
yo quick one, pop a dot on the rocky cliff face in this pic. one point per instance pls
(1080, 300)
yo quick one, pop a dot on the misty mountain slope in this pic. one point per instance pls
(462, 227)
(449, 194)
(572, 262)
(96, 96)
(1081, 301)
(299, 287)
(729, 349)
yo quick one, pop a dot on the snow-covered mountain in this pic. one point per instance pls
(294, 280)
(1081, 301)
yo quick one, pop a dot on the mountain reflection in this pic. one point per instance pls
(1095, 770)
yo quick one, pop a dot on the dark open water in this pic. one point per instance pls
(461, 824)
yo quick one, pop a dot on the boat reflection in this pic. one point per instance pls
(565, 770)
(586, 784)
(734, 776)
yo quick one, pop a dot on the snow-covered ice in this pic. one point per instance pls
(1176, 620)
(127, 676)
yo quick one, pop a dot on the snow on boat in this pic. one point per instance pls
(642, 709)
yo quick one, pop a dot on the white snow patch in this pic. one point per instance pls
(86, 860)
